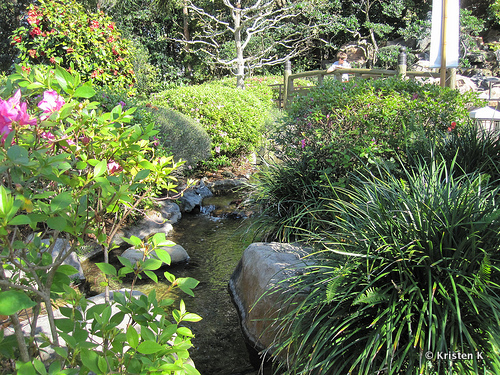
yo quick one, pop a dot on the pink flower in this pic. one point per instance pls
(453, 126)
(217, 149)
(113, 167)
(48, 136)
(51, 102)
(303, 143)
(12, 110)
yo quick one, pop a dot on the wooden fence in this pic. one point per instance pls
(288, 89)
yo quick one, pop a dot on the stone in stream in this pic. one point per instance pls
(263, 268)
(193, 197)
(154, 222)
(177, 254)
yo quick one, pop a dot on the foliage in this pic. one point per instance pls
(286, 192)
(9, 21)
(342, 128)
(183, 136)
(70, 172)
(147, 75)
(470, 28)
(342, 125)
(60, 32)
(387, 57)
(232, 118)
(409, 269)
(471, 149)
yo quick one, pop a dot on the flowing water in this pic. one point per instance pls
(215, 245)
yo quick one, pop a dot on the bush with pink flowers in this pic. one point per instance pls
(61, 32)
(70, 172)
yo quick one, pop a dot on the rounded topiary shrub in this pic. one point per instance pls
(181, 135)
(233, 118)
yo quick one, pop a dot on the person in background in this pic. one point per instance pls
(340, 63)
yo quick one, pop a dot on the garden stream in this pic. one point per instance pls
(215, 241)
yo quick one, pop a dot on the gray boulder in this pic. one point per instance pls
(262, 268)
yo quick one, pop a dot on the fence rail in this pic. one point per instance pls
(288, 89)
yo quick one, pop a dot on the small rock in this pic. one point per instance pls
(177, 254)
(154, 222)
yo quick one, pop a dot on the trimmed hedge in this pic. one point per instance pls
(234, 119)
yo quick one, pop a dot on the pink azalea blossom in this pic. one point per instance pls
(51, 102)
(113, 167)
(48, 136)
(12, 110)
(217, 149)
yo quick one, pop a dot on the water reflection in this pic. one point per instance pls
(215, 245)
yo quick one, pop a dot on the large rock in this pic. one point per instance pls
(262, 267)
(177, 254)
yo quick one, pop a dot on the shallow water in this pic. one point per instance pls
(215, 245)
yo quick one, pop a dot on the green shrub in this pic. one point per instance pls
(343, 125)
(182, 136)
(341, 128)
(232, 118)
(409, 268)
(286, 191)
(70, 171)
(61, 32)
(471, 149)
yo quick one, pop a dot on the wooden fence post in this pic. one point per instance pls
(288, 71)
(402, 63)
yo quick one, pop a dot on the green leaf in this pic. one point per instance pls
(61, 201)
(57, 223)
(20, 220)
(39, 366)
(185, 331)
(186, 284)
(152, 264)
(190, 317)
(163, 255)
(18, 155)
(149, 347)
(132, 337)
(103, 366)
(12, 301)
(126, 262)
(152, 276)
(141, 175)
(100, 168)
(64, 324)
(89, 359)
(25, 368)
(133, 240)
(67, 269)
(107, 268)
(85, 91)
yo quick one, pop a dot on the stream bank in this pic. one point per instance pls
(215, 238)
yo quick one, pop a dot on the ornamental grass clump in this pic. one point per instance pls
(409, 278)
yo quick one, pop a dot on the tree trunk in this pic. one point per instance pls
(240, 62)
(187, 35)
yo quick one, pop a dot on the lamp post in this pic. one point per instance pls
(487, 119)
